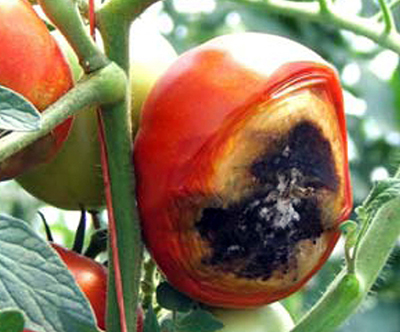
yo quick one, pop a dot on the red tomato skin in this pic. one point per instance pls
(203, 95)
(91, 277)
(32, 64)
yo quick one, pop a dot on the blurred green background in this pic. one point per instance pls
(371, 81)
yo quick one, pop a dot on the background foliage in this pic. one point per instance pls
(371, 80)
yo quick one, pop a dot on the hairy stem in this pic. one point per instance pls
(114, 20)
(367, 27)
(105, 86)
(387, 16)
(125, 10)
(348, 290)
(65, 15)
(125, 249)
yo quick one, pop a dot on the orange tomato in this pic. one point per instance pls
(31, 64)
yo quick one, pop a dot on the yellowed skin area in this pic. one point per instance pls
(271, 120)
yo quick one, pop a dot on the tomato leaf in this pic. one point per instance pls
(16, 112)
(35, 280)
(171, 299)
(150, 323)
(75, 324)
(198, 320)
(11, 320)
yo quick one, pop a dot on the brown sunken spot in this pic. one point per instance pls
(256, 236)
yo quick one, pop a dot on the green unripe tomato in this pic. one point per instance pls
(151, 54)
(270, 318)
(74, 178)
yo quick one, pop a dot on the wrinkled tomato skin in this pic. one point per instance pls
(31, 64)
(91, 277)
(194, 109)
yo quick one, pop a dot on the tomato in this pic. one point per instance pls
(31, 64)
(242, 170)
(151, 54)
(91, 278)
(271, 318)
(74, 179)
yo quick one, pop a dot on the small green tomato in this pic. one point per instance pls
(270, 318)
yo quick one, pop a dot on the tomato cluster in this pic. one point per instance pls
(246, 136)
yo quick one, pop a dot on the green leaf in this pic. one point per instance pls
(171, 299)
(198, 320)
(71, 323)
(16, 112)
(150, 323)
(35, 280)
(11, 320)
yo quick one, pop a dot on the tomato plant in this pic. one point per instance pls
(79, 180)
(253, 180)
(40, 73)
(240, 162)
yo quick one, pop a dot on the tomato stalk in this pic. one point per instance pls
(108, 85)
(66, 17)
(113, 235)
(107, 188)
(114, 21)
(118, 146)
(383, 33)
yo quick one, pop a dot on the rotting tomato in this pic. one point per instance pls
(242, 170)
(31, 64)
(77, 168)
(91, 277)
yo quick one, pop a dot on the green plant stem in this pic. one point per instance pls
(65, 15)
(391, 6)
(325, 6)
(387, 16)
(114, 20)
(125, 249)
(348, 290)
(367, 27)
(124, 10)
(103, 87)
(128, 241)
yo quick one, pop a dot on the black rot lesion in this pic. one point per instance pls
(256, 236)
